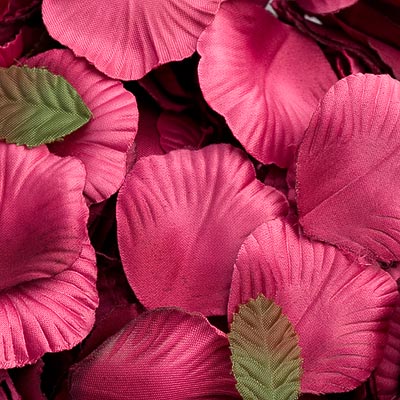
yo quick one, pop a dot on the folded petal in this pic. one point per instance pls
(264, 77)
(348, 167)
(181, 219)
(163, 354)
(43, 214)
(135, 37)
(48, 314)
(339, 308)
(102, 144)
(386, 376)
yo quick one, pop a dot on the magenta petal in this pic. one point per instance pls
(163, 354)
(109, 325)
(253, 71)
(387, 374)
(135, 37)
(49, 314)
(43, 214)
(324, 6)
(102, 144)
(348, 168)
(340, 309)
(181, 220)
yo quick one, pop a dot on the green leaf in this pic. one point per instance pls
(265, 352)
(38, 107)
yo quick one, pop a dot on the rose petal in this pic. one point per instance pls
(163, 354)
(181, 219)
(102, 144)
(48, 314)
(253, 72)
(43, 214)
(339, 308)
(131, 38)
(348, 166)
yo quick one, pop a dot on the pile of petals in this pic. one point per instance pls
(199, 199)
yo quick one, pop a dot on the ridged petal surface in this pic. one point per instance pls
(102, 144)
(164, 354)
(339, 308)
(42, 213)
(253, 71)
(48, 314)
(126, 39)
(348, 168)
(181, 219)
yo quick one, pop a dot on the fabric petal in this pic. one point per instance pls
(324, 6)
(338, 304)
(386, 376)
(181, 219)
(48, 314)
(109, 325)
(348, 167)
(249, 73)
(134, 36)
(163, 354)
(102, 144)
(43, 214)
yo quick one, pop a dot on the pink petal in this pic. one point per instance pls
(179, 131)
(324, 6)
(340, 309)
(102, 144)
(386, 376)
(43, 214)
(135, 37)
(163, 354)
(181, 219)
(253, 71)
(48, 314)
(348, 166)
(109, 325)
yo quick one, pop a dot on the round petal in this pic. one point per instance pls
(348, 168)
(127, 39)
(42, 216)
(163, 354)
(181, 219)
(264, 77)
(49, 314)
(339, 308)
(102, 144)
